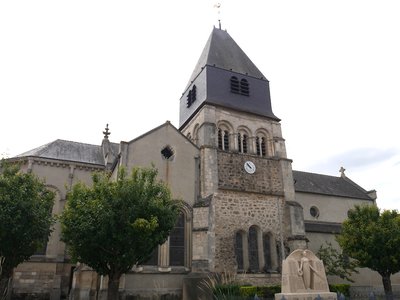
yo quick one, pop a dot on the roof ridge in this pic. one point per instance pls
(313, 173)
(347, 179)
(201, 62)
(328, 185)
(39, 150)
(166, 123)
(75, 142)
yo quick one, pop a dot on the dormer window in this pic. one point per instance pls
(244, 87)
(240, 87)
(191, 96)
(235, 85)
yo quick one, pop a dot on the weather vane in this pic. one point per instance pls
(218, 7)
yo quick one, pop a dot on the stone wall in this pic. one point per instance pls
(267, 178)
(200, 258)
(237, 211)
(47, 276)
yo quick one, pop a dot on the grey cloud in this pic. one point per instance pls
(356, 159)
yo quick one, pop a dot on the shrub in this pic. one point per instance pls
(224, 291)
(261, 291)
(268, 291)
(340, 288)
(248, 291)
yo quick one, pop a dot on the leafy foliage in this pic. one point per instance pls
(114, 225)
(266, 292)
(226, 286)
(25, 216)
(373, 238)
(223, 286)
(226, 291)
(336, 263)
(248, 291)
(340, 289)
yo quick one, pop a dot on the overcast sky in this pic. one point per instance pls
(67, 68)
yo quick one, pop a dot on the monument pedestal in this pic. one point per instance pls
(306, 296)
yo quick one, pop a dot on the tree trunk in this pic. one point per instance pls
(5, 282)
(4, 287)
(387, 286)
(113, 286)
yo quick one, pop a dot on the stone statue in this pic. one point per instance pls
(303, 276)
(305, 270)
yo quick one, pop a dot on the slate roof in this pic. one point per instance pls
(220, 61)
(70, 151)
(223, 52)
(328, 185)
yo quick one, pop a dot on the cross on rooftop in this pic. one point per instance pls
(106, 132)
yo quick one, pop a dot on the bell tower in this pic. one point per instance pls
(245, 176)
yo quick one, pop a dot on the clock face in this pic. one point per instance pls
(249, 167)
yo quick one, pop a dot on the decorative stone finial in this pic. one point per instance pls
(106, 132)
(342, 171)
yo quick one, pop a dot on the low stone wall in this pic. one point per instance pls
(365, 292)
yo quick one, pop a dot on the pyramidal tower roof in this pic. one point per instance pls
(223, 52)
(224, 76)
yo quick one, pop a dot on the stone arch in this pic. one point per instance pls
(177, 250)
(241, 250)
(270, 252)
(195, 135)
(180, 240)
(243, 140)
(263, 145)
(224, 136)
(256, 257)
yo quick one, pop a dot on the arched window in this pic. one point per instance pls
(239, 250)
(240, 87)
(261, 146)
(254, 265)
(177, 243)
(175, 252)
(244, 87)
(267, 252)
(242, 143)
(226, 140)
(235, 85)
(220, 143)
(255, 252)
(223, 139)
(191, 96)
(153, 260)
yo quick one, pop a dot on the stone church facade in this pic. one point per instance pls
(244, 207)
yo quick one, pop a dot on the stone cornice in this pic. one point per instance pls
(31, 160)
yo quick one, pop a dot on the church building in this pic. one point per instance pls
(244, 209)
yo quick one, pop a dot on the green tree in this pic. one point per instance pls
(25, 219)
(115, 224)
(373, 238)
(336, 263)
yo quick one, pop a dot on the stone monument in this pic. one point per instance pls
(304, 278)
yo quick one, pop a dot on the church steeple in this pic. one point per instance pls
(225, 76)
